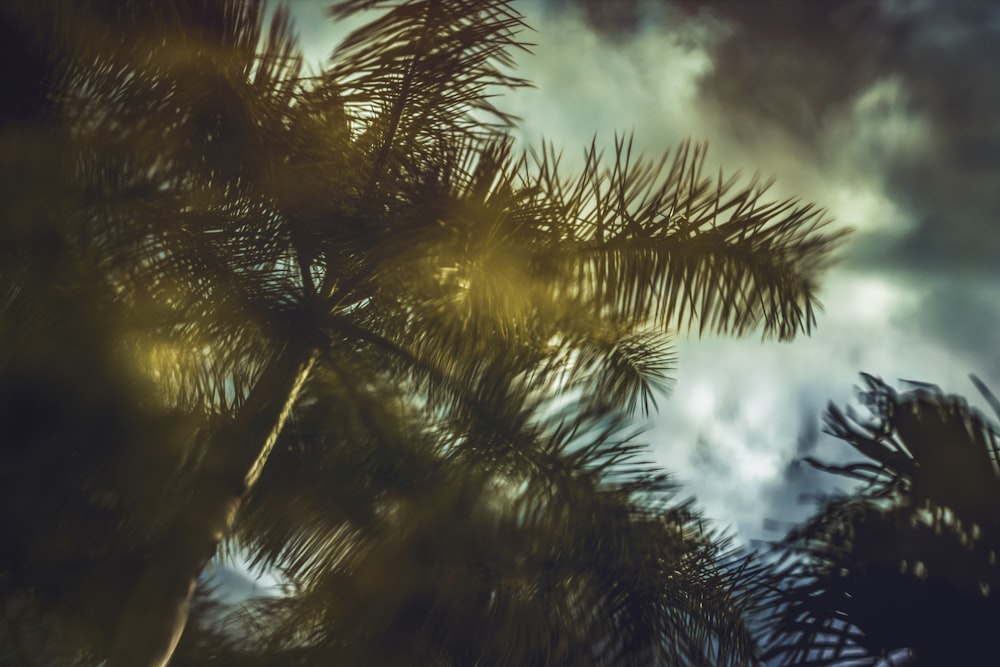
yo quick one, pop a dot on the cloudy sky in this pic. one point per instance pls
(885, 113)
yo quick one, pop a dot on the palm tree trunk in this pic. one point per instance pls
(156, 611)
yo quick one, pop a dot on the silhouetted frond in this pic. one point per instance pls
(908, 562)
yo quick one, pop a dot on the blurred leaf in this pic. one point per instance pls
(908, 561)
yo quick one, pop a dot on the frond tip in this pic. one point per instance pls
(628, 370)
(662, 242)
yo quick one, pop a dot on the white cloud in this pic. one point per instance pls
(884, 122)
(586, 85)
(734, 422)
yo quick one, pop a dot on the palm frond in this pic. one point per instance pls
(661, 242)
(424, 67)
(579, 556)
(628, 369)
(905, 562)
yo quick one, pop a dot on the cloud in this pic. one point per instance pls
(587, 86)
(948, 58)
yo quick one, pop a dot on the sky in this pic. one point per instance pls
(883, 113)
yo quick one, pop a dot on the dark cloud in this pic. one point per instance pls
(616, 20)
(954, 197)
(784, 63)
(791, 64)
(964, 314)
(950, 61)
(796, 67)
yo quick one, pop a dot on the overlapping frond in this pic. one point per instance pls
(172, 112)
(630, 369)
(425, 67)
(578, 556)
(136, 312)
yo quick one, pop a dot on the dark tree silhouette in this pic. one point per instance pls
(906, 566)
(207, 245)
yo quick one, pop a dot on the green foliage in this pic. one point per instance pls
(453, 485)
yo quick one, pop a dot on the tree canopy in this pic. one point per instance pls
(345, 322)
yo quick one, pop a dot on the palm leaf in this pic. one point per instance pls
(904, 563)
(650, 242)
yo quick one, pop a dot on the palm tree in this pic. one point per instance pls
(548, 543)
(426, 558)
(273, 240)
(906, 566)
